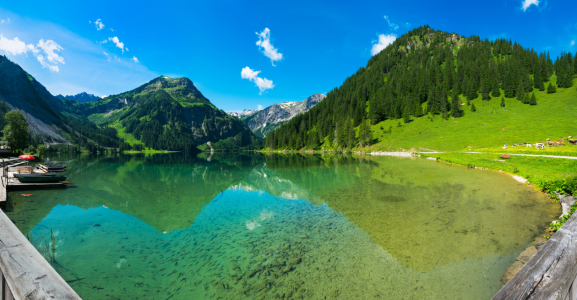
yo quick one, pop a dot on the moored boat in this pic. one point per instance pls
(47, 177)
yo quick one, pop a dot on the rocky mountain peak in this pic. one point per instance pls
(81, 97)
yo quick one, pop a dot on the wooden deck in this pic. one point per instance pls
(24, 272)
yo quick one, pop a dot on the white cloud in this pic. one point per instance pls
(382, 43)
(263, 84)
(50, 59)
(527, 3)
(49, 47)
(135, 59)
(267, 48)
(99, 25)
(259, 107)
(572, 43)
(14, 46)
(118, 43)
(111, 29)
(391, 24)
(126, 49)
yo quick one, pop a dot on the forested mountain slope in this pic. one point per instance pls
(47, 115)
(266, 120)
(169, 114)
(424, 74)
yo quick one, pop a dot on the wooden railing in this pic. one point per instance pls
(551, 273)
(25, 273)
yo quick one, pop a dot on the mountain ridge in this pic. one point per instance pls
(169, 113)
(266, 120)
(80, 97)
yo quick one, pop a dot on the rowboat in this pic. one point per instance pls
(52, 168)
(46, 177)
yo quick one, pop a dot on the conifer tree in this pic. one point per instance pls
(473, 108)
(502, 101)
(538, 81)
(407, 114)
(368, 134)
(456, 110)
(533, 99)
(471, 90)
(352, 137)
(520, 94)
(551, 89)
(495, 91)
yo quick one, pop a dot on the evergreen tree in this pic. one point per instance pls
(551, 88)
(538, 81)
(533, 99)
(456, 110)
(495, 91)
(520, 94)
(352, 137)
(471, 90)
(502, 101)
(473, 108)
(407, 114)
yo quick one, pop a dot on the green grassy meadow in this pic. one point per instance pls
(488, 128)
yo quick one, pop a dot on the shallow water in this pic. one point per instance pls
(260, 227)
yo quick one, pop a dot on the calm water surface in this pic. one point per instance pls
(287, 227)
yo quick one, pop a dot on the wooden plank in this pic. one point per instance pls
(28, 274)
(550, 273)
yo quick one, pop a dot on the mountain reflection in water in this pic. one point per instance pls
(260, 226)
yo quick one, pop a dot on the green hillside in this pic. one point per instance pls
(51, 120)
(169, 114)
(419, 93)
(490, 126)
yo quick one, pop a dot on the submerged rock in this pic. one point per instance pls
(527, 254)
(511, 271)
(540, 241)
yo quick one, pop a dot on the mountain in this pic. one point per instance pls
(82, 97)
(266, 120)
(245, 112)
(48, 116)
(170, 114)
(426, 77)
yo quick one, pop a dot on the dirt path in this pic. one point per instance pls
(537, 155)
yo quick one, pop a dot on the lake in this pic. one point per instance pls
(251, 226)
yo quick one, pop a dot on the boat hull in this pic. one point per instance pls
(42, 179)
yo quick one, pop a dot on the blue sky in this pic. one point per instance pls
(243, 54)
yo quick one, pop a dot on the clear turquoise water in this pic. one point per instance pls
(288, 227)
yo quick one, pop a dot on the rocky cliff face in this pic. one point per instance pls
(266, 120)
(22, 92)
(82, 97)
(244, 113)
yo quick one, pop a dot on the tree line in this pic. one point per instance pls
(423, 72)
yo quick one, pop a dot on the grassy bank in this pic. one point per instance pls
(547, 174)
